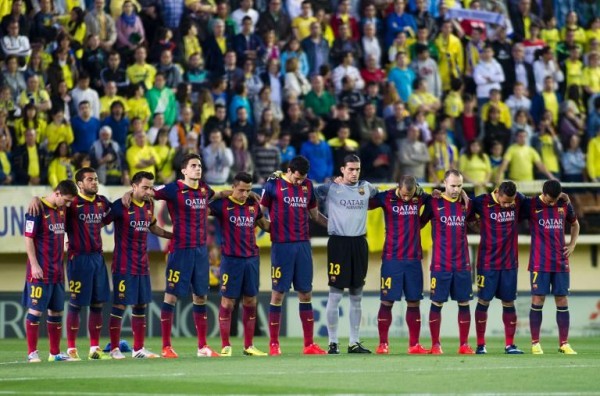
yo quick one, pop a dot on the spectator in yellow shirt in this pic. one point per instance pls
(591, 74)
(301, 24)
(422, 100)
(141, 71)
(443, 154)
(58, 130)
(137, 106)
(520, 159)
(110, 96)
(593, 158)
(496, 101)
(476, 167)
(141, 156)
(60, 167)
(191, 45)
(452, 62)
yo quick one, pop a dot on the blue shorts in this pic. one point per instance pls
(291, 262)
(88, 279)
(501, 284)
(555, 283)
(239, 276)
(185, 268)
(456, 284)
(401, 277)
(42, 296)
(131, 289)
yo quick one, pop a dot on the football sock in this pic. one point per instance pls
(32, 328)
(138, 327)
(355, 314)
(166, 320)
(200, 320)
(224, 325)
(481, 315)
(464, 323)
(563, 321)
(308, 322)
(509, 317)
(54, 325)
(413, 322)
(333, 313)
(95, 325)
(249, 321)
(435, 321)
(535, 322)
(114, 326)
(274, 323)
(384, 320)
(72, 325)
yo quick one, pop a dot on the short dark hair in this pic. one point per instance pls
(552, 188)
(453, 172)
(407, 181)
(188, 158)
(81, 172)
(139, 176)
(299, 164)
(507, 188)
(66, 187)
(350, 158)
(242, 177)
(82, 103)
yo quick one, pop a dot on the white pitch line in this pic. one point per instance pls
(92, 377)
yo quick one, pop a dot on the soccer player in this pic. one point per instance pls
(238, 215)
(86, 269)
(401, 270)
(130, 269)
(347, 204)
(289, 199)
(450, 266)
(497, 260)
(44, 282)
(549, 260)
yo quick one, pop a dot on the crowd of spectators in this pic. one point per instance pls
(411, 86)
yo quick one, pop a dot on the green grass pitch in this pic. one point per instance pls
(292, 373)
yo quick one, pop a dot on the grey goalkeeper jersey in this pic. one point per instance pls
(346, 206)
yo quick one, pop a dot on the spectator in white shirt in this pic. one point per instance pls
(83, 92)
(244, 11)
(13, 44)
(346, 69)
(546, 66)
(371, 44)
(518, 101)
(488, 74)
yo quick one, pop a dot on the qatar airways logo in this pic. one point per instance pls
(406, 210)
(196, 203)
(503, 217)
(140, 226)
(91, 218)
(242, 221)
(58, 228)
(551, 224)
(453, 221)
(296, 202)
(353, 204)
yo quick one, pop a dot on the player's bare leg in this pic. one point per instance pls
(249, 322)
(481, 316)
(435, 322)
(384, 321)
(563, 322)
(166, 323)
(275, 322)
(201, 323)
(225, 310)
(509, 317)
(464, 325)
(307, 317)
(535, 323)
(413, 322)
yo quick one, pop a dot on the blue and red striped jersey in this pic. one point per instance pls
(237, 221)
(47, 230)
(132, 225)
(85, 219)
(188, 208)
(402, 225)
(547, 227)
(498, 246)
(449, 234)
(289, 207)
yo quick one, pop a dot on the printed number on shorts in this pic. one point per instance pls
(224, 279)
(535, 275)
(480, 280)
(334, 269)
(173, 276)
(276, 272)
(433, 283)
(36, 292)
(122, 286)
(386, 283)
(74, 287)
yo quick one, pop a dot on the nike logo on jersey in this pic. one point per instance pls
(131, 212)
(539, 210)
(274, 324)
(283, 189)
(46, 216)
(491, 205)
(230, 208)
(98, 327)
(80, 205)
(441, 208)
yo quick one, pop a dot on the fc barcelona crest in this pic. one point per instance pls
(251, 209)
(332, 278)
(304, 189)
(361, 190)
